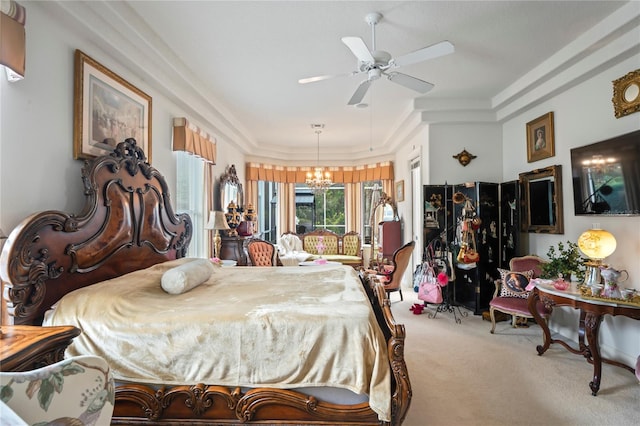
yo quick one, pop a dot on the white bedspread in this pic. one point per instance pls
(282, 327)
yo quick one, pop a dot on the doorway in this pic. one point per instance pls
(416, 212)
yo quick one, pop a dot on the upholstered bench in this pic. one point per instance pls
(345, 249)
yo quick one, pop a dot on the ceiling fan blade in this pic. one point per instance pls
(426, 53)
(360, 92)
(359, 49)
(324, 77)
(410, 82)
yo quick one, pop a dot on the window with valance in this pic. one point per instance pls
(354, 179)
(195, 159)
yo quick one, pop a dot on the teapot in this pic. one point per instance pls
(611, 279)
(612, 275)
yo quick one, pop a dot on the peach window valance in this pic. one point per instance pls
(188, 137)
(13, 37)
(344, 174)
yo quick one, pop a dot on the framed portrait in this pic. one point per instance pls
(540, 142)
(107, 110)
(400, 191)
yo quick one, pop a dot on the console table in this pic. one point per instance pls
(591, 313)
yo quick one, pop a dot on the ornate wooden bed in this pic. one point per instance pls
(128, 224)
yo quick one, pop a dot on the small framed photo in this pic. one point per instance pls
(107, 110)
(400, 191)
(540, 142)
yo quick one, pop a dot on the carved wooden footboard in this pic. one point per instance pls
(210, 404)
(128, 224)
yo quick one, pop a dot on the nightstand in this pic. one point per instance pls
(26, 347)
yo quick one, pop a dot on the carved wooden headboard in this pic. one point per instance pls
(127, 224)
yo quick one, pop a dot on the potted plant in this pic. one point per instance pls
(564, 261)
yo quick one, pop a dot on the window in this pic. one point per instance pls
(190, 199)
(367, 201)
(322, 210)
(267, 209)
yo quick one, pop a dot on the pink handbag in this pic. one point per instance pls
(429, 289)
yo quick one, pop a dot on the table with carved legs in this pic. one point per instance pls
(592, 312)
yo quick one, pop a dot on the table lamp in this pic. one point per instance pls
(217, 221)
(596, 244)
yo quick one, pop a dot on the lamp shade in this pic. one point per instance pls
(597, 243)
(217, 221)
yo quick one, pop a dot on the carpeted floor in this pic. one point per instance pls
(463, 375)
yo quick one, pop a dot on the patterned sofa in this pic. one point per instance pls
(345, 249)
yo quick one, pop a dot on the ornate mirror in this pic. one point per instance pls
(626, 94)
(541, 207)
(230, 188)
(383, 209)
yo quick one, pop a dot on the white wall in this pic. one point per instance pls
(36, 136)
(480, 139)
(583, 115)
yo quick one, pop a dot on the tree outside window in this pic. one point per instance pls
(325, 210)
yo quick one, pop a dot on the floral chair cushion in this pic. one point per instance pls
(77, 390)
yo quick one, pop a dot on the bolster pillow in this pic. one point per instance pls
(183, 278)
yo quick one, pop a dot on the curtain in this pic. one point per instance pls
(286, 208)
(209, 199)
(353, 204)
(13, 38)
(343, 174)
(188, 137)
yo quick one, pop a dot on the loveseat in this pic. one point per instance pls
(325, 244)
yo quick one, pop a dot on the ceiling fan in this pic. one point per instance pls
(376, 63)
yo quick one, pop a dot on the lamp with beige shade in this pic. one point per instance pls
(217, 221)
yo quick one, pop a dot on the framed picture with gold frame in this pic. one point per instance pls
(400, 191)
(540, 140)
(626, 94)
(107, 110)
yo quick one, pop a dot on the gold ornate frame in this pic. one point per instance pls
(540, 139)
(106, 110)
(400, 191)
(626, 94)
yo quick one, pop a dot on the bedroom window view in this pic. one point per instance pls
(322, 210)
(267, 210)
(370, 189)
(190, 199)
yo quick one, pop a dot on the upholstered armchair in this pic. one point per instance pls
(262, 253)
(351, 247)
(510, 295)
(77, 390)
(392, 276)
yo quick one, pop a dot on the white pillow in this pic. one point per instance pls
(183, 278)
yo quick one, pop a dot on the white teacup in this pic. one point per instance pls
(628, 293)
(596, 289)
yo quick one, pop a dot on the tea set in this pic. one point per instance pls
(610, 288)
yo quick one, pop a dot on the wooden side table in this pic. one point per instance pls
(26, 347)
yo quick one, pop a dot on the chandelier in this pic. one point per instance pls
(319, 181)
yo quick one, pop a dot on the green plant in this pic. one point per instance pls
(564, 260)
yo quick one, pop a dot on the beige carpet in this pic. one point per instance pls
(463, 375)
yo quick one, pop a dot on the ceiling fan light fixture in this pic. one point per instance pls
(374, 74)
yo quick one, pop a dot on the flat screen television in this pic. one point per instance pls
(606, 177)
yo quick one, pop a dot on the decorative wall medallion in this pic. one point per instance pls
(626, 94)
(464, 157)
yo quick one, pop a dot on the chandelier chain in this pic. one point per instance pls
(319, 181)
